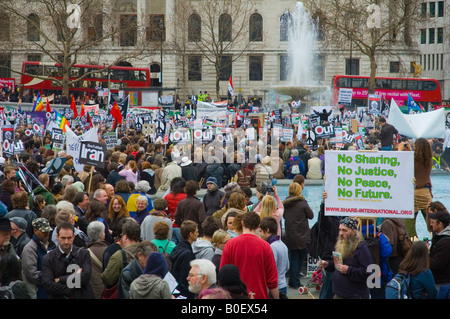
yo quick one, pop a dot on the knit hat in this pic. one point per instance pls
(349, 222)
(79, 186)
(20, 222)
(229, 275)
(156, 265)
(212, 180)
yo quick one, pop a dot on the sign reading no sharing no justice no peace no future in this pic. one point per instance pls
(369, 184)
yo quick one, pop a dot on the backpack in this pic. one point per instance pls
(404, 243)
(373, 243)
(6, 292)
(398, 287)
(295, 167)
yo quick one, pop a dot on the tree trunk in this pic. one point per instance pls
(373, 73)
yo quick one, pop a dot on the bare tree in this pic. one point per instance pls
(219, 31)
(373, 27)
(66, 32)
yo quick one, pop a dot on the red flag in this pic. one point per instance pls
(83, 111)
(48, 108)
(89, 120)
(116, 113)
(73, 107)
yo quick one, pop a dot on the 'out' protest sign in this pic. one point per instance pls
(369, 184)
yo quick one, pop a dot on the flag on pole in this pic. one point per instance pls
(83, 110)
(230, 87)
(61, 121)
(116, 114)
(38, 104)
(412, 105)
(48, 108)
(73, 107)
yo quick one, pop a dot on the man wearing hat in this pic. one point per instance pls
(188, 171)
(19, 237)
(5, 235)
(440, 247)
(32, 256)
(350, 274)
(213, 196)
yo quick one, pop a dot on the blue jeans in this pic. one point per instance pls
(386, 148)
(326, 291)
(296, 263)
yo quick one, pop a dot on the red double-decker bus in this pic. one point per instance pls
(422, 90)
(40, 76)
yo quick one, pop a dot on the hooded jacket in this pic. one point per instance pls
(203, 249)
(440, 257)
(296, 215)
(149, 287)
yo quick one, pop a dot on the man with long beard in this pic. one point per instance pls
(350, 274)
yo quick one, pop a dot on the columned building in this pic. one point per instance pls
(168, 36)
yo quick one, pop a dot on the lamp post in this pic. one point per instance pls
(161, 37)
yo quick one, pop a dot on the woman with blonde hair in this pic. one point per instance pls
(220, 238)
(297, 231)
(271, 206)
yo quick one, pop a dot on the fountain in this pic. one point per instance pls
(302, 33)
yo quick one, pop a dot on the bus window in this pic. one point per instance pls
(342, 83)
(358, 83)
(398, 84)
(429, 86)
(382, 83)
(412, 85)
(33, 69)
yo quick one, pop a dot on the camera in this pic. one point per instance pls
(405, 144)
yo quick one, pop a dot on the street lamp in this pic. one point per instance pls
(161, 29)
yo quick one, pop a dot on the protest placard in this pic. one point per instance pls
(369, 184)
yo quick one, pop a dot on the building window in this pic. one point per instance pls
(423, 10)
(194, 68)
(284, 67)
(95, 31)
(194, 28)
(225, 27)
(440, 9)
(423, 36)
(5, 66)
(5, 23)
(440, 35)
(255, 68)
(432, 9)
(352, 66)
(226, 64)
(156, 30)
(319, 66)
(442, 61)
(431, 35)
(128, 33)
(33, 27)
(34, 57)
(256, 27)
(394, 67)
(285, 22)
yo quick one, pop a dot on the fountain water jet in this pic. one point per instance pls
(302, 32)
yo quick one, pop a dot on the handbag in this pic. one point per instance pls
(111, 293)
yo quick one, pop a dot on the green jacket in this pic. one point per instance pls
(49, 199)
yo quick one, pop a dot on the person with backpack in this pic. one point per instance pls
(294, 166)
(414, 279)
(380, 249)
(131, 236)
(11, 284)
(395, 230)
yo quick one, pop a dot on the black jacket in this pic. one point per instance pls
(181, 256)
(55, 265)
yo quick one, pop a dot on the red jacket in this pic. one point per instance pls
(172, 203)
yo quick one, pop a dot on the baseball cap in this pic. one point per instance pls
(42, 224)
